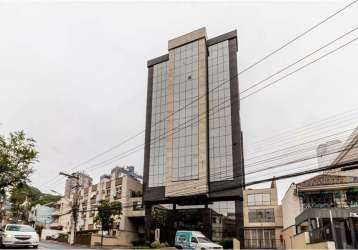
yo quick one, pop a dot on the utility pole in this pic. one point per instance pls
(75, 205)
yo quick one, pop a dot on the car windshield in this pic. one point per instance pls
(19, 228)
(203, 240)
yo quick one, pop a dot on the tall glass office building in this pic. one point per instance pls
(193, 163)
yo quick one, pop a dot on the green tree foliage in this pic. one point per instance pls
(24, 196)
(107, 213)
(33, 196)
(17, 154)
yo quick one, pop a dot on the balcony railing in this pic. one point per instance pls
(138, 206)
(262, 243)
(321, 234)
(117, 196)
(118, 181)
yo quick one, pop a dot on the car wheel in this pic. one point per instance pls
(36, 246)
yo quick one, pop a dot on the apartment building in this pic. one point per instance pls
(84, 180)
(62, 215)
(262, 218)
(116, 186)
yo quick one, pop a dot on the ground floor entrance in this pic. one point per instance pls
(219, 221)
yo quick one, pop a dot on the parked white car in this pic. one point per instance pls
(18, 235)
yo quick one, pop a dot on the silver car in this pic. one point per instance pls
(19, 235)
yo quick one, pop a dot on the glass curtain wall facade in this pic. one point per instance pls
(220, 136)
(159, 125)
(193, 139)
(185, 113)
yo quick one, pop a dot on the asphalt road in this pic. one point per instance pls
(58, 245)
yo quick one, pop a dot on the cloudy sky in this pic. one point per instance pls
(73, 74)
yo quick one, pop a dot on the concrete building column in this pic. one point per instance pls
(147, 221)
(353, 233)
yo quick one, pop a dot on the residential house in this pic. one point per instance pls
(41, 215)
(262, 218)
(321, 212)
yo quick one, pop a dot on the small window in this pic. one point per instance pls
(194, 240)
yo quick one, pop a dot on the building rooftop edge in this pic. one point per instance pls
(226, 36)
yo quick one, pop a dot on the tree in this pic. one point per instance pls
(24, 197)
(107, 213)
(17, 154)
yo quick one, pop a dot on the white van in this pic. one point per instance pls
(194, 240)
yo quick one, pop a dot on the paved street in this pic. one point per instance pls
(58, 245)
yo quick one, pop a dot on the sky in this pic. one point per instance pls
(73, 75)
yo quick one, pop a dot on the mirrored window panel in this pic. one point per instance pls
(220, 134)
(185, 116)
(223, 220)
(158, 125)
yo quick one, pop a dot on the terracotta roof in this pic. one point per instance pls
(327, 179)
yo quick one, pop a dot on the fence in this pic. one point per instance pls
(321, 234)
(262, 244)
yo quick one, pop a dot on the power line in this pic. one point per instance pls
(327, 161)
(271, 83)
(304, 127)
(152, 125)
(241, 72)
(283, 149)
(297, 37)
(300, 68)
(304, 143)
(302, 134)
(258, 89)
(290, 162)
(340, 47)
(299, 60)
(277, 166)
(343, 166)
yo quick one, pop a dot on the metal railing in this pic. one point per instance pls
(262, 243)
(321, 234)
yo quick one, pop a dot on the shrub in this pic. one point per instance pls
(155, 244)
(226, 244)
(62, 237)
(140, 242)
(164, 244)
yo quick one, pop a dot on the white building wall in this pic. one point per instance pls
(290, 207)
